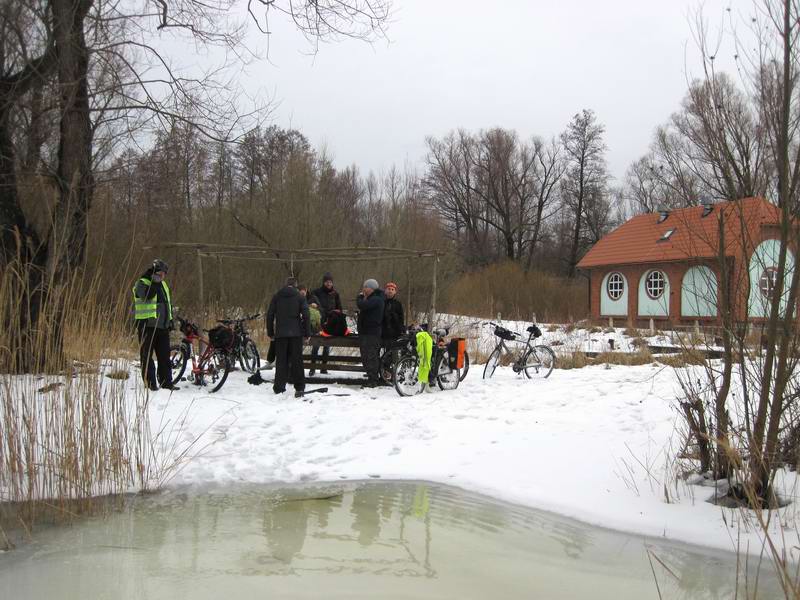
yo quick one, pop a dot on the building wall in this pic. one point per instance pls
(669, 303)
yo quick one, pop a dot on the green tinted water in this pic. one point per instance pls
(367, 540)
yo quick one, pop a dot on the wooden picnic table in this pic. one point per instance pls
(335, 362)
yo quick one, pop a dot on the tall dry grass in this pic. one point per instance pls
(68, 430)
(507, 288)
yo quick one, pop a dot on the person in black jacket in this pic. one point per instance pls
(370, 321)
(287, 325)
(393, 322)
(327, 300)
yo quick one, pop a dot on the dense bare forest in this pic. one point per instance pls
(107, 152)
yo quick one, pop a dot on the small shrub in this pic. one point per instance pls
(118, 374)
(688, 356)
(629, 359)
(573, 360)
(595, 330)
(552, 328)
(570, 327)
(631, 332)
(638, 342)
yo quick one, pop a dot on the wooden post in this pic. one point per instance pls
(611, 322)
(220, 280)
(409, 304)
(291, 265)
(200, 279)
(652, 326)
(432, 313)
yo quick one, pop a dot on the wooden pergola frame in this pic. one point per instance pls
(292, 256)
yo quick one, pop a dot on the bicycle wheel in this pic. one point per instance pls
(249, 358)
(217, 369)
(406, 376)
(539, 362)
(178, 357)
(491, 363)
(465, 370)
(447, 378)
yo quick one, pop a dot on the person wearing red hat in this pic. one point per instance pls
(393, 322)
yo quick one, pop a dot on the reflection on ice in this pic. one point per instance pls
(370, 539)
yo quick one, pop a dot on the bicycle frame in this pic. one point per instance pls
(207, 351)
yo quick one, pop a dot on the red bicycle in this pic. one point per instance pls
(211, 365)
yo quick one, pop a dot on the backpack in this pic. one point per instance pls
(315, 320)
(335, 323)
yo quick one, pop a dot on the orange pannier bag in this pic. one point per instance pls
(456, 348)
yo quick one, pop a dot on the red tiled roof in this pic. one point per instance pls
(695, 236)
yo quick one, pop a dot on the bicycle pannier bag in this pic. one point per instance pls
(221, 337)
(455, 352)
(503, 334)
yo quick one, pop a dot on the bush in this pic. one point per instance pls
(508, 289)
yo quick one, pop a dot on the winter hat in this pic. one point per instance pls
(391, 286)
(371, 284)
(327, 277)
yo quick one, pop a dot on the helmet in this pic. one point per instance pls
(159, 265)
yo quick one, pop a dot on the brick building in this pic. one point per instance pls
(666, 266)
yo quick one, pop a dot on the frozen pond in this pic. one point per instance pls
(372, 539)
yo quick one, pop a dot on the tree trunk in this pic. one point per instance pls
(67, 244)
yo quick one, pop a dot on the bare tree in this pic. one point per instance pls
(584, 184)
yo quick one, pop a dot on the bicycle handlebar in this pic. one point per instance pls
(242, 320)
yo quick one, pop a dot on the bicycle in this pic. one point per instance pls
(535, 361)
(214, 362)
(444, 364)
(244, 348)
(389, 356)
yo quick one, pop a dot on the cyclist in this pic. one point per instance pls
(393, 323)
(287, 325)
(370, 319)
(327, 298)
(152, 311)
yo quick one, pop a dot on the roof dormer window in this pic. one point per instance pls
(667, 234)
(707, 208)
(662, 216)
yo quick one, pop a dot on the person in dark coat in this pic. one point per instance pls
(287, 325)
(393, 323)
(327, 299)
(370, 304)
(152, 311)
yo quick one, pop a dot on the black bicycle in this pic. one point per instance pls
(444, 364)
(244, 348)
(536, 361)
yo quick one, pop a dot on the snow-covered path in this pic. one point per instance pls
(589, 444)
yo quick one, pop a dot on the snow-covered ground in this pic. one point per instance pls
(594, 444)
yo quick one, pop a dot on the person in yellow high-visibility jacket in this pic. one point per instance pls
(152, 311)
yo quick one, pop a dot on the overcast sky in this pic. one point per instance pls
(525, 65)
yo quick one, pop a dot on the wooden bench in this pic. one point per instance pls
(334, 362)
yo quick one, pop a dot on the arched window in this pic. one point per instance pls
(699, 292)
(615, 286)
(655, 284)
(767, 281)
